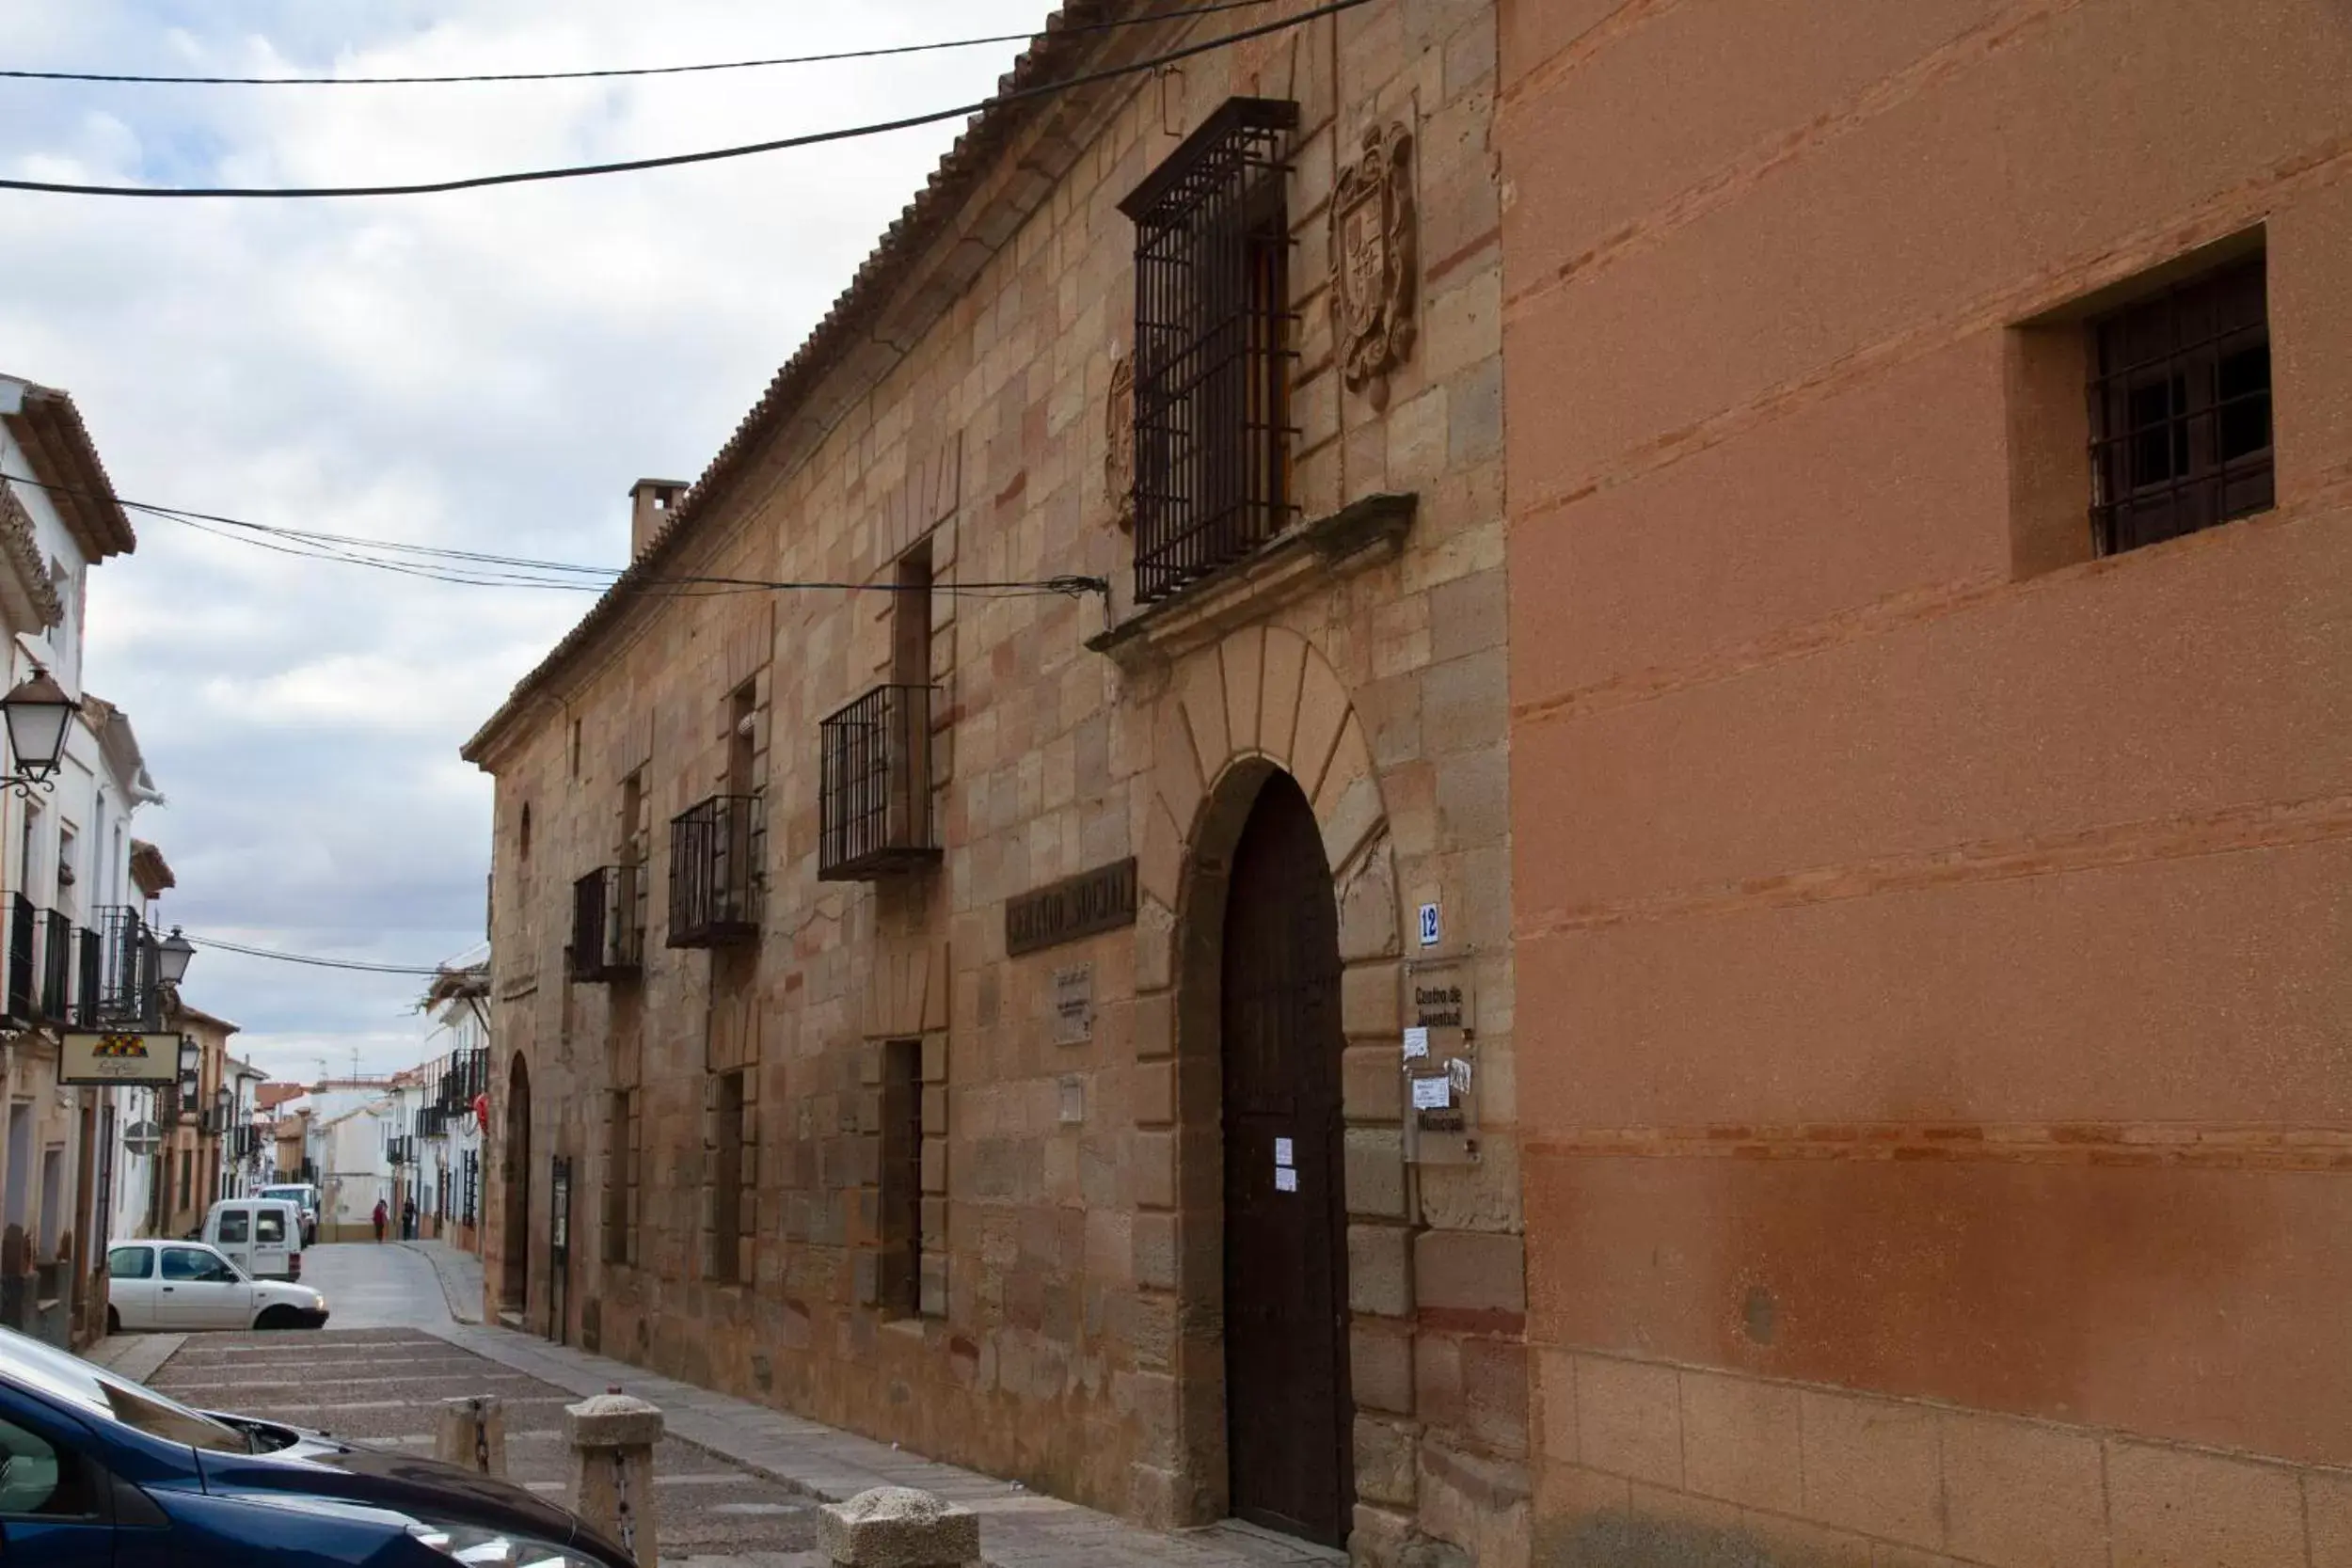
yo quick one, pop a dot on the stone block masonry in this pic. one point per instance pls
(887, 1160)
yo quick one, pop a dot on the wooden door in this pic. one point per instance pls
(1288, 1415)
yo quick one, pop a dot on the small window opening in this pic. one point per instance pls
(2179, 409)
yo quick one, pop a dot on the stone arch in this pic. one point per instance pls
(1261, 700)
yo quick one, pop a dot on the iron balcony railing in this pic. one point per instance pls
(609, 924)
(131, 989)
(717, 849)
(1212, 347)
(54, 972)
(874, 792)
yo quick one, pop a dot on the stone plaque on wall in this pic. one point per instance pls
(1085, 905)
(1073, 1004)
(1441, 996)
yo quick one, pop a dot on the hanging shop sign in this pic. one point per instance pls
(119, 1056)
(1085, 905)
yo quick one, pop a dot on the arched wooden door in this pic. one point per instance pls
(514, 1228)
(1288, 1412)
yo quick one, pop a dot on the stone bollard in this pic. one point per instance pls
(897, 1527)
(472, 1434)
(611, 1437)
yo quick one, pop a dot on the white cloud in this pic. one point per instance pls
(484, 370)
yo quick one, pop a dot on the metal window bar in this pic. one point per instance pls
(874, 788)
(2180, 410)
(717, 849)
(608, 924)
(24, 978)
(1213, 336)
(56, 967)
(128, 988)
(91, 980)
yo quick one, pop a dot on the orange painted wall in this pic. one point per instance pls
(1934, 945)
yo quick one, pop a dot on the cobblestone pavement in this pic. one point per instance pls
(382, 1386)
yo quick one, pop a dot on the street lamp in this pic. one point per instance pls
(173, 956)
(38, 713)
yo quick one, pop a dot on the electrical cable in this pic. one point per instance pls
(678, 160)
(310, 959)
(471, 568)
(125, 77)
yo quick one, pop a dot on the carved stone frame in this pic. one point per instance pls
(1118, 452)
(1374, 234)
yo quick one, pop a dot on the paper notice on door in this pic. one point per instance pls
(1431, 1094)
(1416, 1043)
(1285, 1180)
(1282, 1153)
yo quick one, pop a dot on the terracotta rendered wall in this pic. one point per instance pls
(1063, 1289)
(1933, 943)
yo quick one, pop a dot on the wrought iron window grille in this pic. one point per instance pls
(2179, 409)
(608, 924)
(1212, 353)
(717, 849)
(874, 789)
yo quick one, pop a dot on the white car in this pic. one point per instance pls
(174, 1286)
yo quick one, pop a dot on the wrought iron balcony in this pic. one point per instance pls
(608, 924)
(717, 850)
(45, 983)
(874, 793)
(131, 989)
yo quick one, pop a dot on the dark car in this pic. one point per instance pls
(95, 1470)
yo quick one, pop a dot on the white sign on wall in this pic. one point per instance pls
(1429, 924)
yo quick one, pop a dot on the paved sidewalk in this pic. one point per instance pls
(460, 1274)
(135, 1356)
(1017, 1528)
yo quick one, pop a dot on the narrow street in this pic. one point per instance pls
(740, 1494)
(379, 1375)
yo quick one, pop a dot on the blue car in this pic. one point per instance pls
(96, 1470)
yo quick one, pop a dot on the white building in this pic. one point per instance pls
(76, 947)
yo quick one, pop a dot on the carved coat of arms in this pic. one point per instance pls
(1372, 261)
(1119, 453)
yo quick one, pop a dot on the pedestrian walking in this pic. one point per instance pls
(382, 1214)
(409, 1219)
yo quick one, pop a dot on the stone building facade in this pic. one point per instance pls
(971, 1009)
(1930, 497)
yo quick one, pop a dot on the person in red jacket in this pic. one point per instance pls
(382, 1214)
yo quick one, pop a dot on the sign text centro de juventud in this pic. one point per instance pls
(119, 1056)
(1085, 905)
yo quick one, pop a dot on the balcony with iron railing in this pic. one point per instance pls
(874, 789)
(717, 849)
(54, 972)
(608, 924)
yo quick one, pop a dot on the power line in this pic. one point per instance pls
(310, 959)
(677, 160)
(125, 77)
(476, 569)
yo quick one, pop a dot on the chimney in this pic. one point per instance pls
(649, 504)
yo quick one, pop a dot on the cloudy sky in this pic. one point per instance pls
(486, 369)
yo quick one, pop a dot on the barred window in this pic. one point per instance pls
(1212, 347)
(2179, 409)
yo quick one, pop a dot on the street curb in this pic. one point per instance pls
(140, 1356)
(448, 1296)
